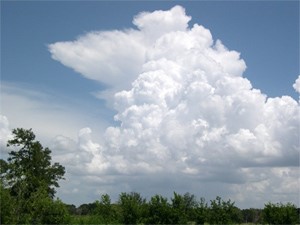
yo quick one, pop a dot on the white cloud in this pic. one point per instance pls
(296, 85)
(189, 120)
(115, 58)
(111, 57)
(155, 24)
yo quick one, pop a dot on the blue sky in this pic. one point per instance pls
(62, 106)
(266, 33)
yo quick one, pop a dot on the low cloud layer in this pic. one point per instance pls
(188, 119)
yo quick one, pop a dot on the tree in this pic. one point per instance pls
(133, 207)
(86, 209)
(7, 205)
(201, 211)
(280, 213)
(27, 173)
(105, 210)
(159, 210)
(71, 209)
(30, 167)
(44, 210)
(183, 208)
(224, 212)
(190, 206)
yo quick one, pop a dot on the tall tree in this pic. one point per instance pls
(30, 168)
(27, 173)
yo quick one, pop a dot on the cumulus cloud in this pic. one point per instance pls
(102, 56)
(296, 85)
(187, 115)
(115, 58)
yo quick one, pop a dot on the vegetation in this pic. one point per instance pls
(27, 190)
(280, 214)
(28, 182)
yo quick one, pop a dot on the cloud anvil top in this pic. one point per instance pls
(187, 117)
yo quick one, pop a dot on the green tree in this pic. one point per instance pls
(133, 207)
(178, 215)
(190, 206)
(223, 212)
(27, 173)
(201, 211)
(183, 208)
(44, 210)
(71, 209)
(280, 213)
(31, 165)
(86, 209)
(159, 210)
(105, 210)
(7, 207)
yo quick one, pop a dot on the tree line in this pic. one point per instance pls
(29, 181)
(132, 208)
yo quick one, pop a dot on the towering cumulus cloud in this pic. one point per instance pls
(186, 112)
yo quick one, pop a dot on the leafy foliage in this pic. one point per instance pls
(280, 213)
(28, 182)
(159, 210)
(183, 208)
(7, 206)
(223, 212)
(132, 206)
(30, 167)
(201, 212)
(105, 210)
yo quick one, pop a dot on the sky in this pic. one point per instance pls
(158, 96)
